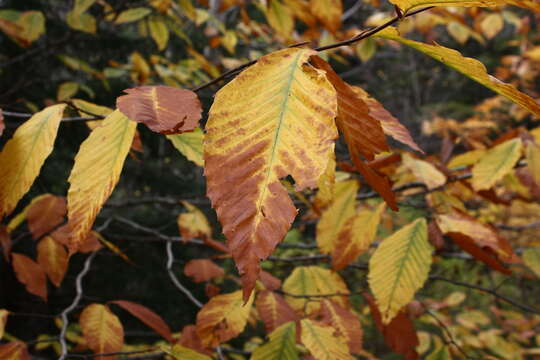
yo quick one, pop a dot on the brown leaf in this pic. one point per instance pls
(400, 334)
(190, 339)
(147, 316)
(435, 236)
(273, 310)
(164, 109)
(45, 214)
(379, 182)
(269, 281)
(5, 242)
(15, 350)
(53, 258)
(30, 274)
(345, 322)
(211, 290)
(201, 270)
(91, 243)
(2, 124)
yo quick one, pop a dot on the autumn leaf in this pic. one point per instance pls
(201, 270)
(532, 154)
(326, 184)
(147, 316)
(322, 342)
(273, 310)
(408, 5)
(2, 123)
(399, 267)
(133, 14)
(269, 281)
(164, 109)
(192, 223)
(280, 18)
(491, 25)
(158, 31)
(53, 258)
(495, 164)
(356, 236)
(180, 352)
(243, 184)
(469, 67)
(334, 218)
(3, 319)
(96, 171)
(531, 258)
(282, 344)
(424, 171)
(346, 324)
(328, 12)
(5, 242)
(190, 339)
(314, 280)
(101, 329)
(24, 154)
(15, 350)
(30, 274)
(223, 318)
(46, 214)
(190, 144)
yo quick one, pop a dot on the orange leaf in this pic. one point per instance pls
(164, 109)
(273, 310)
(147, 316)
(344, 322)
(400, 334)
(102, 330)
(201, 270)
(328, 12)
(53, 258)
(190, 339)
(269, 281)
(3, 319)
(45, 214)
(379, 182)
(15, 350)
(30, 274)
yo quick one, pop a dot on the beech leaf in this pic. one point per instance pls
(346, 324)
(201, 270)
(53, 258)
(147, 316)
(322, 343)
(282, 345)
(30, 274)
(45, 214)
(101, 329)
(273, 310)
(190, 144)
(407, 5)
(3, 319)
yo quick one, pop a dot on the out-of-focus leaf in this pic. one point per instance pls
(159, 31)
(67, 90)
(495, 164)
(407, 5)
(180, 352)
(15, 350)
(3, 319)
(532, 154)
(424, 172)
(24, 154)
(132, 14)
(328, 12)
(30, 274)
(201, 270)
(322, 343)
(53, 258)
(492, 24)
(82, 22)
(190, 144)
(23, 27)
(282, 345)
(280, 18)
(193, 223)
(531, 258)
(102, 329)
(147, 316)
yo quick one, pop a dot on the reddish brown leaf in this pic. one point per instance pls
(379, 182)
(2, 124)
(201, 270)
(435, 235)
(15, 350)
(91, 243)
(211, 290)
(269, 281)
(273, 310)
(190, 339)
(45, 214)
(5, 242)
(345, 322)
(216, 245)
(30, 274)
(400, 334)
(147, 316)
(164, 109)
(53, 258)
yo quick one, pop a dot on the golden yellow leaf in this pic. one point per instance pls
(495, 164)
(67, 90)
(407, 5)
(345, 323)
(190, 144)
(424, 172)
(24, 154)
(532, 154)
(3, 319)
(326, 184)
(322, 343)
(333, 219)
(531, 258)
(180, 352)
(53, 258)
(492, 24)
(328, 12)
(87, 108)
(399, 267)
(133, 14)
(102, 329)
(193, 223)
(159, 31)
(469, 67)
(252, 141)
(223, 318)
(314, 280)
(356, 236)
(466, 159)
(280, 17)
(97, 168)
(282, 344)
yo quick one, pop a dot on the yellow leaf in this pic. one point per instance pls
(469, 67)
(159, 31)
(87, 108)
(328, 12)
(3, 319)
(345, 323)
(492, 24)
(193, 223)
(133, 14)
(180, 352)
(66, 90)
(399, 267)
(466, 159)
(356, 236)
(366, 49)
(532, 154)
(53, 258)
(282, 344)
(458, 31)
(223, 318)
(424, 172)
(495, 164)
(314, 280)
(326, 184)
(407, 5)
(82, 22)
(33, 25)
(280, 18)
(24, 154)
(333, 219)
(251, 142)
(102, 329)
(531, 258)
(97, 168)
(190, 144)
(322, 343)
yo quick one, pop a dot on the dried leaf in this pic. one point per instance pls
(201, 270)
(147, 316)
(399, 267)
(30, 274)
(15, 350)
(46, 214)
(243, 176)
(193, 224)
(190, 144)
(282, 345)
(322, 342)
(24, 154)
(97, 169)
(495, 164)
(164, 109)
(346, 324)
(356, 236)
(328, 12)
(424, 172)
(273, 310)
(190, 339)
(53, 258)
(3, 320)
(223, 318)
(101, 329)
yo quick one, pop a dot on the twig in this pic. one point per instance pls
(300, 258)
(65, 313)
(157, 233)
(519, 227)
(174, 279)
(112, 354)
(66, 119)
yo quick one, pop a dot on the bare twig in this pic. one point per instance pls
(66, 119)
(174, 279)
(156, 233)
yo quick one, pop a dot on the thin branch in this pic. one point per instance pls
(174, 279)
(315, 257)
(113, 354)
(74, 304)
(66, 119)
(157, 233)
(519, 227)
